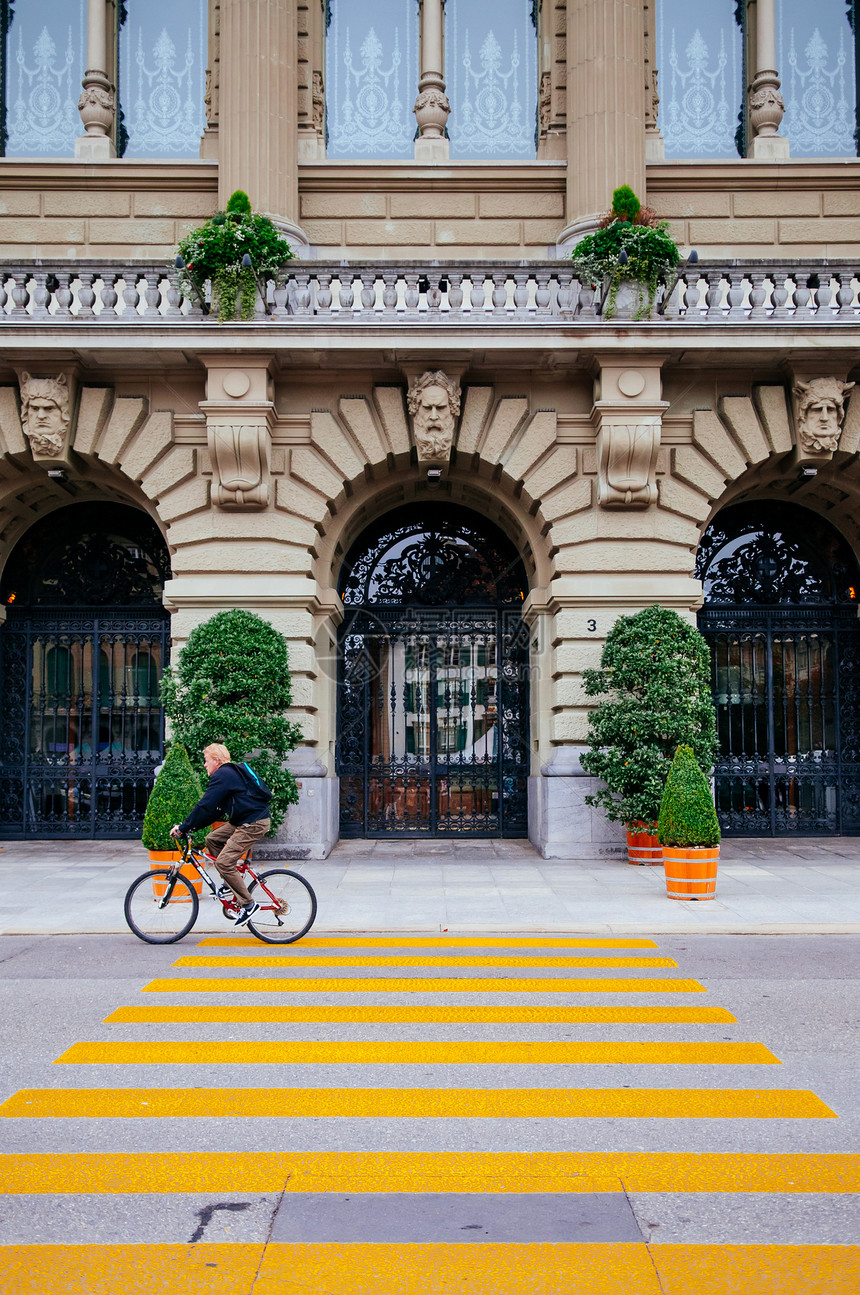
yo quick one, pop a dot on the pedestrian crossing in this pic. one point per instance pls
(402, 1125)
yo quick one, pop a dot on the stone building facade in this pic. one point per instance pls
(430, 459)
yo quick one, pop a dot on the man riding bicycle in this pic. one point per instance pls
(236, 793)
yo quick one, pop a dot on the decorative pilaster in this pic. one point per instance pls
(432, 108)
(97, 104)
(605, 108)
(766, 104)
(655, 149)
(259, 108)
(212, 96)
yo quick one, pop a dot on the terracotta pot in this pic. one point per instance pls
(643, 848)
(691, 872)
(158, 860)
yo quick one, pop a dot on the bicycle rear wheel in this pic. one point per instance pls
(160, 910)
(297, 907)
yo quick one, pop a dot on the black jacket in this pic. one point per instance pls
(227, 796)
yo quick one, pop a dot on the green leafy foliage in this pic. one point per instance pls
(651, 252)
(215, 250)
(687, 814)
(239, 201)
(625, 204)
(232, 684)
(176, 791)
(654, 681)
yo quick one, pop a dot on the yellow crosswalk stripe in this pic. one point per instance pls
(419, 1103)
(297, 959)
(284, 1052)
(420, 985)
(393, 1172)
(397, 1014)
(447, 941)
(434, 1269)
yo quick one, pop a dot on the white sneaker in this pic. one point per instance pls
(245, 913)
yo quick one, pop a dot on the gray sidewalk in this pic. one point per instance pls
(763, 887)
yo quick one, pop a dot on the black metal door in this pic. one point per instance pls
(82, 726)
(786, 693)
(433, 698)
(82, 652)
(781, 618)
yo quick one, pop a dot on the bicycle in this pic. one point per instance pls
(162, 905)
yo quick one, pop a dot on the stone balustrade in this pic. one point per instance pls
(537, 292)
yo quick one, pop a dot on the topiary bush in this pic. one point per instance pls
(650, 252)
(232, 684)
(654, 681)
(687, 814)
(176, 790)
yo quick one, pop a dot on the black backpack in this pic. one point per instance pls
(254, 784)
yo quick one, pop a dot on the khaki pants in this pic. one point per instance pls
(229, 843)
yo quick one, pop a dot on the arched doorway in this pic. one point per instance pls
(82, 651)
(433, 695)
(780, 614)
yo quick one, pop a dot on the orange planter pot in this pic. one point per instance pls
(158, 859)
(643, 848)
(691, 873)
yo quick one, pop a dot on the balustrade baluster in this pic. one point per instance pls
(40, 296)
(455, 291)
(803, 282)
(389, 291)
(280, 293)
(302, 297)
(587, 300)
(714, 293)
(63, 295)
(779, 296)
(735, 295)
(151, 294)
(500, 291)
(108, 294)
(86, 295)
(412, 294)
(173, 296)
(324, 278)
(542, 292)
(346, 296)
(4, 296)
(20, 295)
(692, 295)
(477, 293)
(845, 296)
(434, 292)
(757, 295)
(130, 296)
(521, 293)
(367, 278)
(823, 296)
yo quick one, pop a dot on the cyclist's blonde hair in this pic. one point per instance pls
(218, 751)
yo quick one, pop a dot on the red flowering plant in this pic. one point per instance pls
(233, 250)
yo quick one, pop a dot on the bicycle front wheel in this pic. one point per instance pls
(296, 906)
(160, 909)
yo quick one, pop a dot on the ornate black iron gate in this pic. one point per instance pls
(81, 726)
(433, 696)
(781, 620)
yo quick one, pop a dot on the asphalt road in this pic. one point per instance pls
(404, 1114)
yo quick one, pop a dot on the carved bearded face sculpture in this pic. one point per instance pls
(434, 403)
(45, 414)
(820, 412)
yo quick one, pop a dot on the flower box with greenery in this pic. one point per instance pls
(629, 245)
(175, 791)
(234, 250)
(231, 684)
(689, 831)
(654, 685)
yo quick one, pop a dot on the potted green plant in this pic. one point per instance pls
(630, 245)
(175, 791)
(688, 830)
(236, 250)
(654, 689)
(231, 683)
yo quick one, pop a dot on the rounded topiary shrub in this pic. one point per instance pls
(687, 815)
(231, 684)
(176, 791)
(654, 685)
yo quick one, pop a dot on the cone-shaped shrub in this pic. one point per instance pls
(232, 684)
(687, 814)
(176, 790)
(655, 690)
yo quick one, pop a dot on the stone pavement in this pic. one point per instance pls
(803, 885)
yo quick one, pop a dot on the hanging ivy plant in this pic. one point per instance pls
(650, 254)
(215, 251)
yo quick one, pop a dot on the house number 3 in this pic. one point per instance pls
(592, 626)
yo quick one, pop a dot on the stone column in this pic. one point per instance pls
(431, 107)
(605, 108)
(655, 149)
(97, 104)
(766, 103)
(259, 109)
